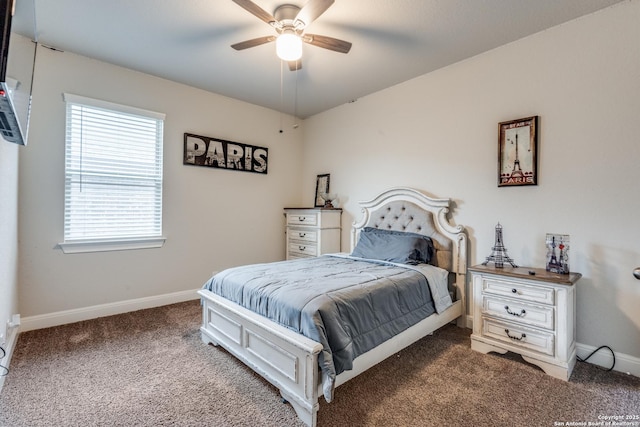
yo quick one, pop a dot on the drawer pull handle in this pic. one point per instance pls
(302, 234)
(513, 337)
(513, 313)
(301, 218)
(302, 248)
(514, 290)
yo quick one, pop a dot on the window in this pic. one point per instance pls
(113, 177)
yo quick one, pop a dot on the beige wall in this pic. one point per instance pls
(8, 234)
(438, 133)
(212, 218)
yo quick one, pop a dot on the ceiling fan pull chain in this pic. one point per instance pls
(281, 93)
(295, 103)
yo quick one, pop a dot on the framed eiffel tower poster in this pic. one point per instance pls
(518, 152)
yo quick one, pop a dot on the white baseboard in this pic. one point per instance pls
(469, 321)
(12, 339)
(624, 362)
(41, 321)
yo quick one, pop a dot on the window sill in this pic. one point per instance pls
(82, 246)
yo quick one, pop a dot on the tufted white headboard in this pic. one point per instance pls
(406, 209)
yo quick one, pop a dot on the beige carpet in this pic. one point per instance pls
(149, 368)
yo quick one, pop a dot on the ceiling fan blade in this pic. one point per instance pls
(256, 10)
(295, 65)
(253, 42)
(310, 12)
(330, 43)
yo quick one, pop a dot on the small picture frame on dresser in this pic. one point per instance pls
(322, 187)
(557, 258)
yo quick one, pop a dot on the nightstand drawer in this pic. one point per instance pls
(301, 235)
(528, 311)
(517, 311)
(518, 335)
(302, 250)
(310, 219)
(518, 290)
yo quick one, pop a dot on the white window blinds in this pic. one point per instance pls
(113, 171)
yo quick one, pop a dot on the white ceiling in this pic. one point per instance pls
(188, 41)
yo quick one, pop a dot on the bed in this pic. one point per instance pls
(299, 362)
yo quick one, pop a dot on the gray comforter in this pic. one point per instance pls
(349, 305)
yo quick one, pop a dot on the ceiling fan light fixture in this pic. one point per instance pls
(289, 46)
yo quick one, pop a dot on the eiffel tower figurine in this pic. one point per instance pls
(499, 254)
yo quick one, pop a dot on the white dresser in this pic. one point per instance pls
(312, 231)
(528, 311)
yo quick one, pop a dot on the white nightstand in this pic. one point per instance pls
(528, 311)
(312, 231)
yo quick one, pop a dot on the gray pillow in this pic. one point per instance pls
(394, 246)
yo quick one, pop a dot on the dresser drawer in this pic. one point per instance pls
(518, 311)
(519, 335)
(312, 232)
(302, 250)
(302, 235)
(298, 256)
(309, 219)
(518, 290)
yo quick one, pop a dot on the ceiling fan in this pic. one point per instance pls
(290, 21)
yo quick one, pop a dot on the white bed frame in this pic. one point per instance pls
(289, 360)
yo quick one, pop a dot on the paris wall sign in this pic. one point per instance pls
(219, 153)
(518, 152)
